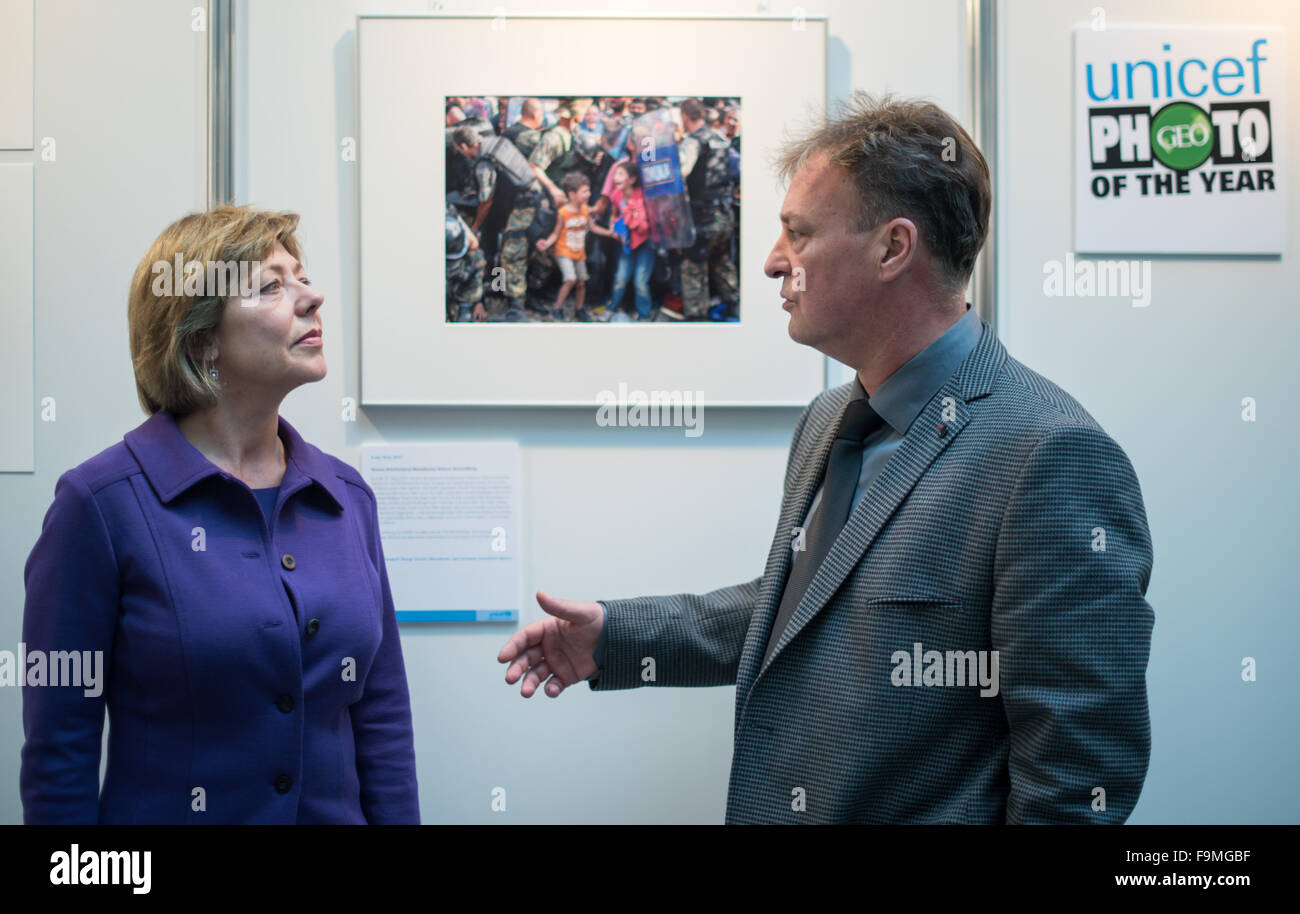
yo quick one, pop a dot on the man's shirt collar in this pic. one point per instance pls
(902, 396)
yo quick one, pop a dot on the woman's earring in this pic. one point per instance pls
(213, 372)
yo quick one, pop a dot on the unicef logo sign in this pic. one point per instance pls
(1182, 136)
(1175, 123)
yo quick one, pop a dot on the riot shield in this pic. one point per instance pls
(667, 205)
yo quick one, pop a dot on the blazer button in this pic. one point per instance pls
(284, 703)
(288, 561)
(313, 626)
(283, 784)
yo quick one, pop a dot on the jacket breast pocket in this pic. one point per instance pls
(936, 623)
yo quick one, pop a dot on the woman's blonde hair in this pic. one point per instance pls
(175, 308)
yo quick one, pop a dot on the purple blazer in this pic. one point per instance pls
(250, 675)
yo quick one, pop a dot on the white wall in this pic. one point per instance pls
(120, 88)
(1167, 382)
(17, 189)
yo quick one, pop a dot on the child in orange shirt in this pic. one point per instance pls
(570, 239)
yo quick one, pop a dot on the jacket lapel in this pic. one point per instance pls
(819, 434)
(918, 450)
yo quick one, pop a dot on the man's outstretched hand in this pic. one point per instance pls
(555, 650)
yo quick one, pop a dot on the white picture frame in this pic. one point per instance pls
(407, 64)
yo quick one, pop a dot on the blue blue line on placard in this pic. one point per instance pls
(457, 615)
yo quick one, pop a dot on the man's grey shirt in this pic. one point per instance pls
(902, 396)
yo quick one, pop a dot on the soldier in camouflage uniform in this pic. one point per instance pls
(553, 156)
(551, 159)
(526, 131)
(705, 161)
(460, 173)
(504, 178)
(465, 266)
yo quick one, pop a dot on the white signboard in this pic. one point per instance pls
(449, 522)
(1178, 133)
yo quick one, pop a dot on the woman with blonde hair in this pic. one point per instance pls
(229, 574)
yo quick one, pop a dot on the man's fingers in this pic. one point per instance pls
(535, 677)
(540, 653)
(569, 610)
(526, 637)
(529, 658)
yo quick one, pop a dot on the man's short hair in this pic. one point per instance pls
(693, 109)
(465, 135)
(574, 180)
(909, 158)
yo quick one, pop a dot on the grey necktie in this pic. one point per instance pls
(843, 469)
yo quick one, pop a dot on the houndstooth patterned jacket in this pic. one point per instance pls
(1007, 521)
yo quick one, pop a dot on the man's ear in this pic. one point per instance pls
(900, 238)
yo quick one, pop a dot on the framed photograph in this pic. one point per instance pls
(560, 210)
(592, 210)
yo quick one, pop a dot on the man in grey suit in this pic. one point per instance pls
(951, 626)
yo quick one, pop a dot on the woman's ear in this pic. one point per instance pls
(204, 353)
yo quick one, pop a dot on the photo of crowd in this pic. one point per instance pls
(592, 210)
